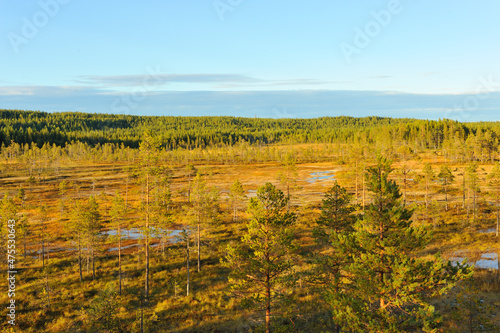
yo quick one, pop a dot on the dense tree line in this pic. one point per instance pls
(27, 127)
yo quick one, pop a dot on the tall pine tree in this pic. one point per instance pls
(264, 256)
(388, 289)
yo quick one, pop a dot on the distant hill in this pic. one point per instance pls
(26, 127)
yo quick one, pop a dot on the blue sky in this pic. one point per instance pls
(422, 59)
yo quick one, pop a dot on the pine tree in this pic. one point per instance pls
(429, 176)
(184, 236)
(387, 288)
(288, 176)
(336, 219)
(446, 177)
(118, 211)
(63, 188)
(101, 315)
(92, 226)
(494, 178)
(205, 208)
(473, 185)
(161, 216)
(75, 227)
(263, 258)
(149, 150)
(237, 193)
(43, 219)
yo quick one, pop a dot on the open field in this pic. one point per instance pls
(54, 300)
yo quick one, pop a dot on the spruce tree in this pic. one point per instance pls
(387, 288)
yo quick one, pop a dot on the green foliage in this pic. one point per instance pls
(26, 127)
(336, 212)
(261, 261)
(101, 315)
(471, 313)
(8, 211)
(236, 194)
(387, 289)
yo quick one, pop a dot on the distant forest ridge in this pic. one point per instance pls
(60, 128)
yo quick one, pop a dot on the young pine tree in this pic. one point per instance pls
(263, 257)
(387, 288)
(75, 227)
(237, 194)
(429, 176)
(92, 226)
(336, 220)
(118, 211)
(473, 186)
(149, 150)
(446, 177)
(494, 177)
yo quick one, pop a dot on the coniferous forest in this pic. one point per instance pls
(222, 224)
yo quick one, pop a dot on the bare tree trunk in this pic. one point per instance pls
(268, 304)
(80, 258)
(234, 210)
(119, 260)
(446, 193)
(356, 191)
(142, 316)
(187, 264)
(43, 245)
(364, 186)
(199, 248)
(463, 195)
(47, 287)
(146, 288)
(498, 215)
(475, 208)
(24, 242)
(427, 193)
(93, 263)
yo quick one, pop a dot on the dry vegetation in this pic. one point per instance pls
(54, 300)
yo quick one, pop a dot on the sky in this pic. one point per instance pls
(398, 58)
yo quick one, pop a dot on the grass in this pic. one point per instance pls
(209, 307)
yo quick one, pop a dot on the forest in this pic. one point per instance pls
(121, 223)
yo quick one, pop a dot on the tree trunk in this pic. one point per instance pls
(356, 191)
(93, 263)
(288, 194)
(199, 249)
(234, 210)
(47, 287)
(446, 193)
(363, 178)
(268, 304)
(142, 317)
(43, 246)
(24, 243)
(187, 264)
(474, 207)
(498, 213)
(463, 196)
(119, 260)
(427, 193)
(146, 287)
(80, 258)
